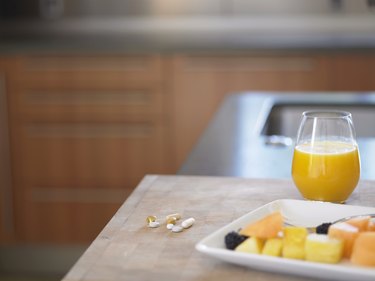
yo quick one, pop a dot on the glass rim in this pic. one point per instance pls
(326, 114)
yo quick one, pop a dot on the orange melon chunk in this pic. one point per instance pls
(371, 225)
(265, 228)
(361, 222)
(364, 249)
(347, 233)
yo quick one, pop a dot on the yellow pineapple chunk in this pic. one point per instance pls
(252, 245)
(273, 247)
(322, 248)
(294, 242)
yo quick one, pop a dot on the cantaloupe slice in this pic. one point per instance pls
(346, 232)
(361, 222)
(265, 228)
(364, 249)
(371, 225)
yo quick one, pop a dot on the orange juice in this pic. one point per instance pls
(326, 171)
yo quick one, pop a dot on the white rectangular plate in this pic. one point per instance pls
(301, 213)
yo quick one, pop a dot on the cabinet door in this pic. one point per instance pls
(202, 81)
(353, 72)
(85, 130)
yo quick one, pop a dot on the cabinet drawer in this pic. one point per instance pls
(83, 102)
(91, 68)
(89, 154)
(70, 178)
(80, 86)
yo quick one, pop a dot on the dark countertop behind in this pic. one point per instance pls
(145, 34)
(233, 145)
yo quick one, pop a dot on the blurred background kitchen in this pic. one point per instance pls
(96, 94)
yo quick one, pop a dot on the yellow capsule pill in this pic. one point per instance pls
(171, 220)
(151, 219)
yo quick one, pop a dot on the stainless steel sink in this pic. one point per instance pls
(284, 118)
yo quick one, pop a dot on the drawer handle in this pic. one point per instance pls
(253, 64)
(88, 63)
(92, 98)
(90, 130)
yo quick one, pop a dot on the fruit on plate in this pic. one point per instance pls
(364, 249)
(267, 227)
(323, 228)
(361, 222)
(322, 248)
(233, 239)
(371, 225)
(353, 239)
(273, 247)
(252, 245)
(345, 232)
(294, 242)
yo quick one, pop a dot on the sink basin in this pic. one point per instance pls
(284, 118)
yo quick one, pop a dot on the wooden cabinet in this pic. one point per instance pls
(84, 131)
(353, 72)
(6, 191)
(81, 131)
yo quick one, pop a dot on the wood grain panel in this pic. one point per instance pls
(6, 188)
(98, 70)
(89, 63)
(353, 72)
(124, 102)
(85, 130)
(202, 81)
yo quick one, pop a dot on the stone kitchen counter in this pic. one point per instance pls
(145, 34)
(235, 143)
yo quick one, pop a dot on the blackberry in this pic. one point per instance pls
(233, 239)
(323, 228)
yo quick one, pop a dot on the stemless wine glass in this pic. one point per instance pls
(326, 165)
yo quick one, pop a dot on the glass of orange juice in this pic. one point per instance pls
(326, 164)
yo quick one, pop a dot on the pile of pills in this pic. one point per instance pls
(171, 222)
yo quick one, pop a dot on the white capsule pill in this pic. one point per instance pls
(188, 222)
(177, 228)
(170, 226)
(154, 224)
